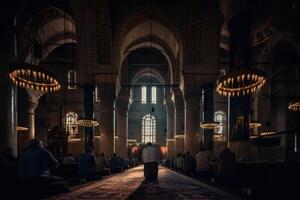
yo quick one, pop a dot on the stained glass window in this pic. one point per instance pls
(220, 117)
(148, 129)
(72, 79)
(71, 124)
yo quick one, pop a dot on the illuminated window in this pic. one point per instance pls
(71, 124)
(148, 129)
(153, 95)
(97, 94)
(144, 94)
(220, 117)
(72, 79)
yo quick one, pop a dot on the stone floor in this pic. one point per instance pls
(130, 185)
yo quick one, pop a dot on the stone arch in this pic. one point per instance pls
(164, 78)
(146, 72)
(281, 37)
(138, 26)
(164, 50)
(55, 26)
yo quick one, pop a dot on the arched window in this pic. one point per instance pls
(220, 117)
(153, 95)
(72, 79)
(71, 124)
(144, 94)
(97, 94)
(148, 129)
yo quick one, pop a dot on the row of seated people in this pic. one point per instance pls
(254, 180)
(36, 173)
(198, 166)
(94, 167)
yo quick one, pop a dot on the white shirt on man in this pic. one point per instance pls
(150, 154)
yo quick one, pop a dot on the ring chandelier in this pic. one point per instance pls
(241, 82)
(33, 77)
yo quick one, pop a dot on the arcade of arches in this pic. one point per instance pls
(147, 71)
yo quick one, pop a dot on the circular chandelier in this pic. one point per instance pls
(269, 132)
(33, 77)
(22, 128)
(254, 124)
(180, 136)
(294, 106)
(170, 140)
(209, 125)
(87, 122)
(241, 82)
(74, 140)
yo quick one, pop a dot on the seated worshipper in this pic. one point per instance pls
(115, 164)
(226, 166)
(172, 162)
(202, 161)
(125, 164)
(7, 156)
(181, 160)
(189, 164)
(36, 181)
(101, 165)
(226, 162)
(151, 158)
(36, 161)
(178, 162)
(87, 166)
(68, 159)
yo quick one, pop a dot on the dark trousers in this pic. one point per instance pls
(151, 171)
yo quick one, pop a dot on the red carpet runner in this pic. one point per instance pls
(129, 185)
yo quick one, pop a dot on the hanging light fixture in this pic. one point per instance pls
(87, 122)
(179, 136)
(294, 106)
(209, 125)
(30, 75)
(268, 132)
(240, 83)
(131, 140)
(170, 139)
(33, 77)
(254, 124)
(22, 128)
(74, 140)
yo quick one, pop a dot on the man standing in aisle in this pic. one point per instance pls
(151, 158)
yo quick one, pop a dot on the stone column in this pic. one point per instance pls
(33, 102)
(192, 94)
(88, 114)
(107, 117)
(8, 109)
(122, 122)
(179, 121)
(170, 124)
(239, 107)
(8, 102)
(208, 114)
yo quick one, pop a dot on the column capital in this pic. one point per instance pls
(34, 96)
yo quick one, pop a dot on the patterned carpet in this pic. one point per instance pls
(130, 185)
